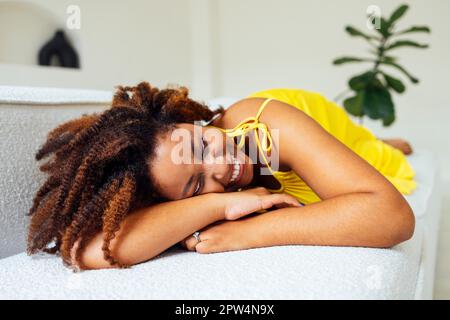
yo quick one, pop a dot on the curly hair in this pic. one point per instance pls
(99, 170)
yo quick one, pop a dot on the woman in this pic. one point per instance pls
(117, 194)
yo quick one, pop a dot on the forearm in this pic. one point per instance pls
(359, 219)
(149, 231)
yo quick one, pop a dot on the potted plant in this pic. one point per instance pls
(371, 90)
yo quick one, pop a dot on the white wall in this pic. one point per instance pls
(265, 43)
(234, 47)
(121, 42)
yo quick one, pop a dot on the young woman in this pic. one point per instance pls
(116, 195)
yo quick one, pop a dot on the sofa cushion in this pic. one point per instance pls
(284, 272)
(26, 116)
(288, 272)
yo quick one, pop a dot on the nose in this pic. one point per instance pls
(216, 178)
(221, 173)
(217, 168)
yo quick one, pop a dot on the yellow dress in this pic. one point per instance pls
(389, 161)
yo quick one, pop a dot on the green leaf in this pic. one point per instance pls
(394, 83)
(357, 33)
(390, 59)
(384, 29)
(353, 105)
(389, 119)
(397, 14)
(361, 81)
(377, 104)
(406, 43)
(415, 29)
(401, 69)
(343, 60)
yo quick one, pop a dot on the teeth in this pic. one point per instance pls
(236, 170)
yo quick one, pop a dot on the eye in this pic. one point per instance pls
(197, 189)
(199, 185)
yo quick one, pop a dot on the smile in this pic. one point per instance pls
(237, 171)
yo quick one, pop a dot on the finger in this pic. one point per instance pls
(260, 191)
(279, 200)
(292, 201)
(204, 247)
(263, 191)
(190, 243)
(288, 200)
(288, 204)
(272, 200)
(242, 209)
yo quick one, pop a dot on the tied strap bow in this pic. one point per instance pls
(248, 124)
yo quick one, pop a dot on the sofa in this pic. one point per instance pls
(405, 271)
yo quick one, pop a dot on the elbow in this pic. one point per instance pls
(92, 256)
(399, 224)
(403, 231)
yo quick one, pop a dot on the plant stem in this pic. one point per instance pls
(342, 94)
(381, 50)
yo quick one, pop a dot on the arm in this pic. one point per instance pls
(341, 221)
(331, 222)
(360, 207)
(149, 231)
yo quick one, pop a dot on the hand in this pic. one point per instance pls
(239, 204)
(222, 236)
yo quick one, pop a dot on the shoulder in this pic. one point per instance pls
(238, 111)
(275, 113)
(291, 125)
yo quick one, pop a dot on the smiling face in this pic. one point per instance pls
(191, 160)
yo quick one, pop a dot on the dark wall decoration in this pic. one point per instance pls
(60, 48)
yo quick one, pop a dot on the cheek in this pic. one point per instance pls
(218, 151)
(249, 173)
(226, 146)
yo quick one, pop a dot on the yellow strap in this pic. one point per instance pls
(252, 123)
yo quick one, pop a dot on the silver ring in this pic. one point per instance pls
(196, 235)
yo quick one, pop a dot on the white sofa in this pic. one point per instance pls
(288, 272)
